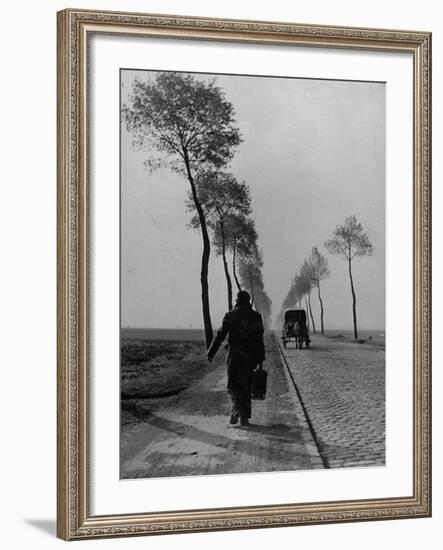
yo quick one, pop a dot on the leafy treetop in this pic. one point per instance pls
(350, 240)
(188, 119)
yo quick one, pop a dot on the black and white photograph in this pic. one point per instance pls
(252, 274)
(221, 262)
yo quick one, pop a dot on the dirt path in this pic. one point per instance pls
(189, 434)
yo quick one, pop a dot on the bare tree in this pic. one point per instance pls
(191, 124)
(350, 241)
(221, 196)
(319, 270)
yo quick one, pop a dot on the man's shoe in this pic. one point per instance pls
(234, 418)
(244, 422)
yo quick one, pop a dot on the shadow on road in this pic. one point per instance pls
(279, 432)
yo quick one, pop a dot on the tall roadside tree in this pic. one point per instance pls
(305, 284)
(191, 124)
(263, 304)
(251, 278)
(221, 196)
(319, 270)
(241, 239)
(250, 272)
(350, 241)
(299, 289)
(292, 298)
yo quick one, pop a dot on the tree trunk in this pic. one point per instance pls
(225, 265)
(307, 313)
(205, 258)
(310, 312)
(354, 302)
(321, 308)
(251, 284)
(234, 267)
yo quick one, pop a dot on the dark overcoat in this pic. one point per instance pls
(245, 349)
(244, 328)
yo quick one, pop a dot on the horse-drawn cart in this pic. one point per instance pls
(295, 328)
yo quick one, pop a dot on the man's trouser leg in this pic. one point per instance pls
(239, 386)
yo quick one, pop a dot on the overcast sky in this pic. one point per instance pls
(313, 153)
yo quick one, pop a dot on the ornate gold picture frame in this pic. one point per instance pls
(75, 519)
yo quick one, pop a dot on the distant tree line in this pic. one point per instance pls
(349, 241)
(191, 124)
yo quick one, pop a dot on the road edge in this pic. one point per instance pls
(309, 439)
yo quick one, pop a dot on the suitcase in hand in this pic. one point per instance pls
(259, 379)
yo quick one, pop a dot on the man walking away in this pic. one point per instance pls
(246, 350)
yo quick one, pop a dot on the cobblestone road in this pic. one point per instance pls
(342, 386)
